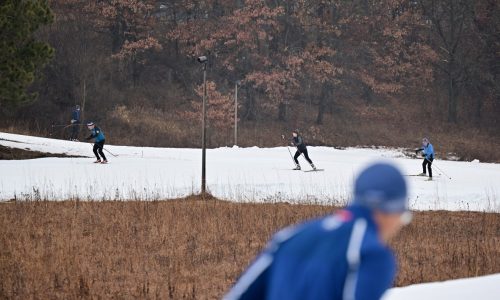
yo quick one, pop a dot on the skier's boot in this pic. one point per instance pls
(429, 179)
(97, 161)
(297, 167)
(104, 162)
(313, 166)
(422, 174)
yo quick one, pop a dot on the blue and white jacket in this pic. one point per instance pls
(337, 257)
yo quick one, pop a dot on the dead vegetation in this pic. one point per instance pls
(142, 126)
(7, 153)
(194, 249)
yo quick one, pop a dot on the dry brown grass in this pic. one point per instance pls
(447, 245)
(194, 249)
(7, 153)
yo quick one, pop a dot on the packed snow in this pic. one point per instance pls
(236, 174)
(484, 288)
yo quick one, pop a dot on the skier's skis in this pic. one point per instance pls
(314, 170)
(101, 162)
(418, 175)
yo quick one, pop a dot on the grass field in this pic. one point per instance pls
(195, 249)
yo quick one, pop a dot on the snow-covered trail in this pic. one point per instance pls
(237, 174)
(484, 288)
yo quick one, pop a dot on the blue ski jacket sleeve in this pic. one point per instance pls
(429, 152)
(337, 257)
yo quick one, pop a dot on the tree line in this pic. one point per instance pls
(358, 58)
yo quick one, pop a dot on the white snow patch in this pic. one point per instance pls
(237, 174)
(484, 288)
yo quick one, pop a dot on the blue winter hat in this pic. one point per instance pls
(381, 187)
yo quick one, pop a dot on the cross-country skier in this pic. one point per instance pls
(428, 154)
(298, 142)
(99, 139)
(75, 123)
(341, 256)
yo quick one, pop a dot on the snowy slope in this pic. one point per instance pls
(250, 174)
(484, 288)
(238, 174)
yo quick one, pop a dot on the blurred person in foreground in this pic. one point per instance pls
(341, 256)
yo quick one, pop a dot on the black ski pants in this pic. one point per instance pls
(297, 154)
(75, 128)
(428, 163)
(98, 146)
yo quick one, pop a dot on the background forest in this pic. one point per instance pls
(345, 73)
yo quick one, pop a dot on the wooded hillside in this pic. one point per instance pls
(344, 72)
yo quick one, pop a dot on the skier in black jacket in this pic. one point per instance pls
(298, 142)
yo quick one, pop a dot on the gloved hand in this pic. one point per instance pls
(423, 155)
(73, 121)
(291, 143)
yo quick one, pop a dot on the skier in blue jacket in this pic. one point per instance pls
(99, 139)
(428, 154)
(341, 256)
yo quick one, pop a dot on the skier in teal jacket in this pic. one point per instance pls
(99, 139)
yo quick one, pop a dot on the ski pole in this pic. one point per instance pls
(291, 156)
(441, 170)
(109, 152)
(60, 126)
(64, 126)
(115, 155)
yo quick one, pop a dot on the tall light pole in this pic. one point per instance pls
(203, 60)
(236, 112)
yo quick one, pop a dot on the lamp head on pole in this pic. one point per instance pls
(202, 59)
